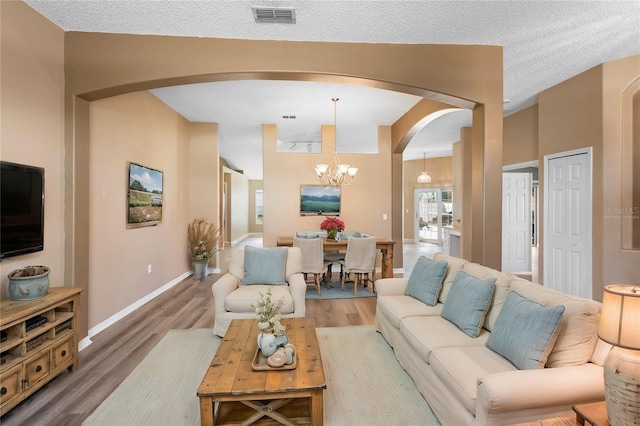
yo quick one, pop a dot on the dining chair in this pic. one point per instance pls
(312, 258)
(360, 259)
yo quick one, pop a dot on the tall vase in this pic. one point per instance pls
(332, 233)
(267, 343)
(200, 268)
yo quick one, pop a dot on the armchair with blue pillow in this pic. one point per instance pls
(253, 270)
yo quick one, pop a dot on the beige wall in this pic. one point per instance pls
(237, 204)
(32, 121)
(520, 142)
(363, 203)
(585, 111)
(459, 75)
(441, 172)
(616, 264)
(136, 127)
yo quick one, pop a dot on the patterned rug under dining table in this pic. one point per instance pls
(232, 392)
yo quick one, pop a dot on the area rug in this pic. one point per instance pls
(365, 383)
(336, 292)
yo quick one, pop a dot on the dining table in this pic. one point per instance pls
(385, 246)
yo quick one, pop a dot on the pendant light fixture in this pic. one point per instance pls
(424, 176)
(335, 174)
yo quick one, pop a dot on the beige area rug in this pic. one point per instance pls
(365, 384)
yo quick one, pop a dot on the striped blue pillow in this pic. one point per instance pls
(426, 279)
(265, 265)
(468, 302)
(525, 331)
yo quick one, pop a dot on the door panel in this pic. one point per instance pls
(516, 222)
(568, 242)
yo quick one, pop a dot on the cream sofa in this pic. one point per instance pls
(232, 298)
(464, 381)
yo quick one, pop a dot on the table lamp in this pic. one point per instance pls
(620, 326)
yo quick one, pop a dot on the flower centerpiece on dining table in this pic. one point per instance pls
(271, 330)
(332, 225)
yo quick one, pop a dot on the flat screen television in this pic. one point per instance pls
(144, 196)
(21, 209)
(319, 200)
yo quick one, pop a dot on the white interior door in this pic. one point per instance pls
(567, 236)
(516, 222)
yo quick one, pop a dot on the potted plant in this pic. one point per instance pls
(203, 244)
(31, 282)
(332, 225)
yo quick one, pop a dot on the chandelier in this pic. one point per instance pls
(424, 176)
(336, 173)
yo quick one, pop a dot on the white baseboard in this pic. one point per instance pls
(126, 311)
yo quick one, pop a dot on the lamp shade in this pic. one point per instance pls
(620, 318)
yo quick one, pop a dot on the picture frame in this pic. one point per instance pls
(144, 196)
(318, 200)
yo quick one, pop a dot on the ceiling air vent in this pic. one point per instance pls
(278, 15)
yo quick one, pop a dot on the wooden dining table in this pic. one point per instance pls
(385, 246)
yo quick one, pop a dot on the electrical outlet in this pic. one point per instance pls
(384, 216)
(148, 268)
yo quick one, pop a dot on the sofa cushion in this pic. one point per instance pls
(425, 281)
(467, 302)
(397, 307)
(265, 265)
(525, 331)
(425, 334)
(461, 367)
(454, 265)
(240, 299)
(500, 292)
(578, 332)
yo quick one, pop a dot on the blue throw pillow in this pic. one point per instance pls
(425, 281)
(467, 302)
(525, 331)
(265, 265)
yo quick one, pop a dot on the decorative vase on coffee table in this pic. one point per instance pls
(267, 343)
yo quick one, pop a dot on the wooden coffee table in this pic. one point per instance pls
(231, 392)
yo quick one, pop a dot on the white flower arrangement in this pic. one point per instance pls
(269, 313)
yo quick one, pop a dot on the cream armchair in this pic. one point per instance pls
(232, 297)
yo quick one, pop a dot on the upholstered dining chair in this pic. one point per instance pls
(360, 259)
(253, 270)
(312, 259)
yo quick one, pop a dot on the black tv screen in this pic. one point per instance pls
(21, 209)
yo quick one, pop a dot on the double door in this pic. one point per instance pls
(433, 210)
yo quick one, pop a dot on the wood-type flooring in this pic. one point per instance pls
(116, 351)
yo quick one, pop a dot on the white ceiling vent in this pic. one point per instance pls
(277, 15)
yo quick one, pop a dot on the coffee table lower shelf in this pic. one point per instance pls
(264, 412)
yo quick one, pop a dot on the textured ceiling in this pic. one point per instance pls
(545, 42)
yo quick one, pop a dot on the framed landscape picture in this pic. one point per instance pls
(318, 200)
(144, 196)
